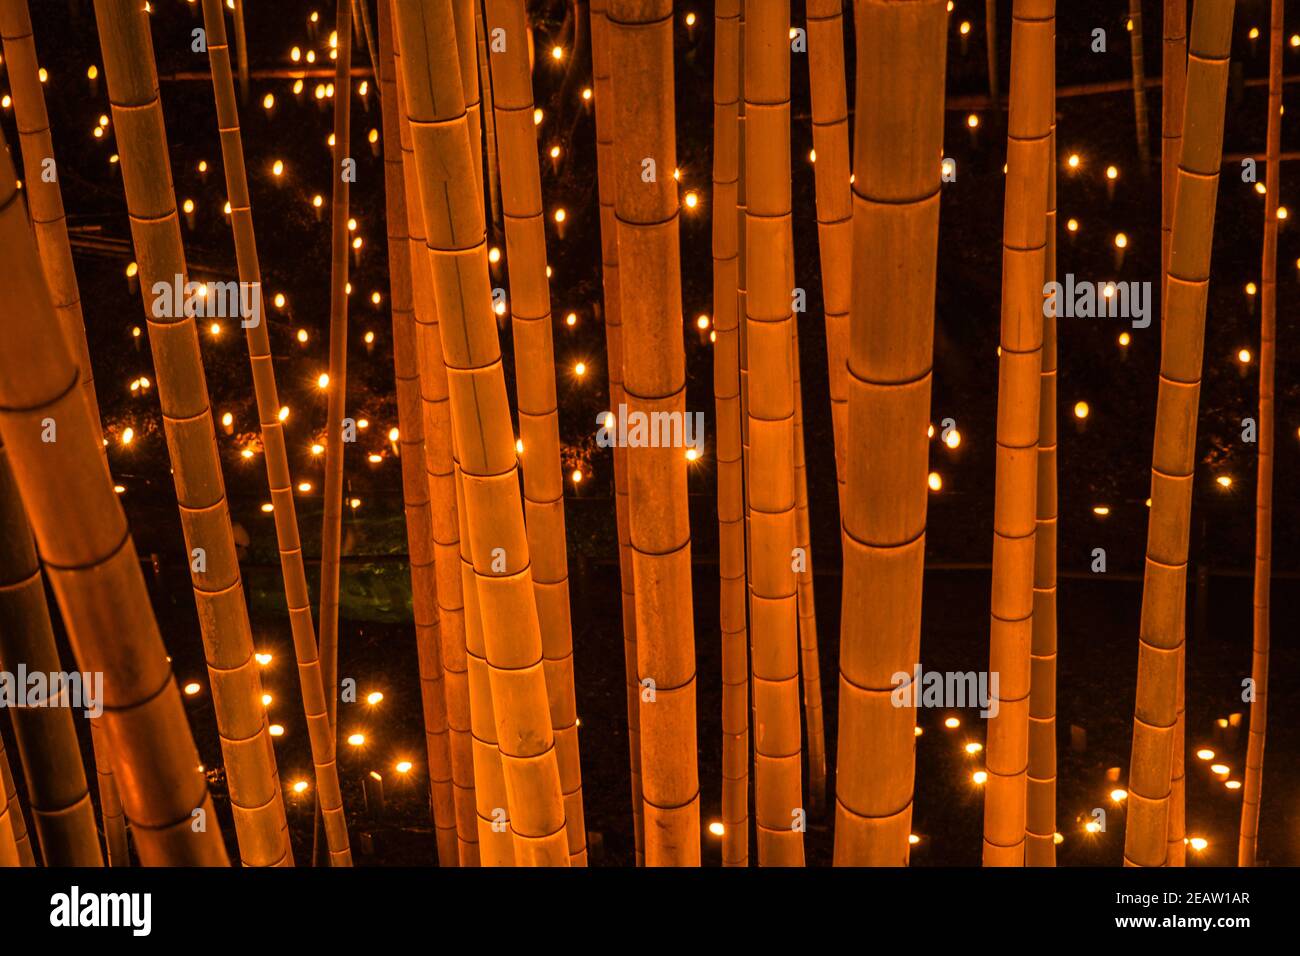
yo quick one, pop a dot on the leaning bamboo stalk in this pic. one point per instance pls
(1173, 93)
(1139, 83)
(439, 474)
(241, 48)
(83, 540)
(991, 51)
(538, 407)
(895, 247)
(112, 818)
(46, 736)
(490, 130)
(277, 459)
(465, 13)
(415, 484)
(11, 821)
(255, 797)
(641, 68)
(607, 187)
(44, 198)
(1249, 835)
(484, 440)
(726, 393)
(1024, 253)
(1174, 452)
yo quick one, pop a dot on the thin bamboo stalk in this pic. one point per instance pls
(726, 393)
(415, 483)
(1249, 836)
(44, 197)
(46, 736)
(465, 13)
(112, 817)
(484, 439)
(1139, 83)
(440, 477)
(1024, 254)
(82, 537)
(991, 50)
(899, 138)
(538, 407)
(273, 443)
(1174, 453)
(11, 813)
(641, 69)
(255, 797)
(607, 189)
(490, 131)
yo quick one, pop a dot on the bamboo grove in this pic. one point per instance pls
(490, 546)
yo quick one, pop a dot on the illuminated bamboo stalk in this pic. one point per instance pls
(44, 198)
(465, 14)
(1249, 835)
(241, 48)
(436, 422)
(1173, 93)
(490, 130)
(1040, 811)
(726, 393)
(273, 443)
(11, 817)
(895, 246)
(1024, 254)
(1174, 453)
(607, 187)
(484, 438)
(415, 484)
(46, 736)
(112, 817)
(255, 797)
(991, 50)
(1139, 82)
(646, 207)
(88, 553)
(539, 426)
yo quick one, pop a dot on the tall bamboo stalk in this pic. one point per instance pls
(117, 850)
(1174, 454)
(11, 817)
(484, 440)
(82, 537)
(241, 48)
(415, 484)
(1249, 836)
(273, 443)
(1024, 256)
(255, 797)
(607, 188)
(646, 205)
(490, 131)
(439, 469)
(991, 51)
(726, 393)
(538, 407)
(46, 736)
(899, 138)
(1139, 82)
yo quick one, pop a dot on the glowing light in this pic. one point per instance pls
(227, 420)
(586, 93)
(580, 369)
(1232, 784)
(1121, 241)
(917, 731)
(268, 101)
(1261, 189)
(317, 200)
(952, 723)
(519, 446)
(974, 747)
(128, 435)
(363, 423)
(1101, 510)
(577, 476)
(393, 434)
(948, 167)
(1072, 225)
(692, 199)
(192, 688)
(964, 28)
(304, 486)
(92, 72)
(690, 22)
(376, 298)
(979, 777)
(295, 54)
(1205, 754)
(1058, 838)
(1118, 795)
(402, 766)
(363, 88)
(1251, 288)
(203, 165)
(702, 322)
(561, 215)
(277, 730)
(935, 481)
(973, 121)
(1220, 769)
(356, 740)
(120, 489)
(262, 658)
(1081, 410)
(42, 75)
(266, 700)
(1224, 481)
(374, 698)
(1198, 843)
(374, 459)
(132, 270)
(812, 155)
(494, 255)
(1112, 172)
(368, 337)
(1243, 356)
(1124, 339)
(247, 453)
(1073, 161)
(267, 507)
(226, 208)
(1092, 826)
(317, 449)
(538, 115)
(557, 53)
(913, 839)
(1282, 212)
(373, 135)
(357, 243)
(300, 786)
(277, 169)
(953, 438)
(284, 412)
(692, 454)
(571, 319)
(716, 828)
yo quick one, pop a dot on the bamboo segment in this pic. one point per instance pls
(1139, 82)
(273, 443)
(44, 198)
(607, 187)
(46, 736)
(436, 422)
(465, 14)
(489, 130)
(415, 483)
(88, 553)
(646, 206)
(1040, 812)
(1173, 457)
(1024, 254)
(1249, 836)
(726, 392)
(241, 48)
(539, 426)
(191, 438)
(11, 817)
(830, 125)
(1173, 93)
(453, 217)
(895, 246)
(991, 50)
(116, 849)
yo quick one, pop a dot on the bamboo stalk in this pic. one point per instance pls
(1139, 83)
(641, 68)
(241, 49)
(11, 817)
(273, 443)
(607, 188)
(726, 391)
(484, 440)
(991, 50)
(415, 484)
(1174, 454)
(538, 410)
(1024, 253)
(465, 14)
(113, 819)
(1249, 836)
(899, 139)
(490, 131)
(255, 797)
(83, 540)
(439, 466)
(46, 736)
